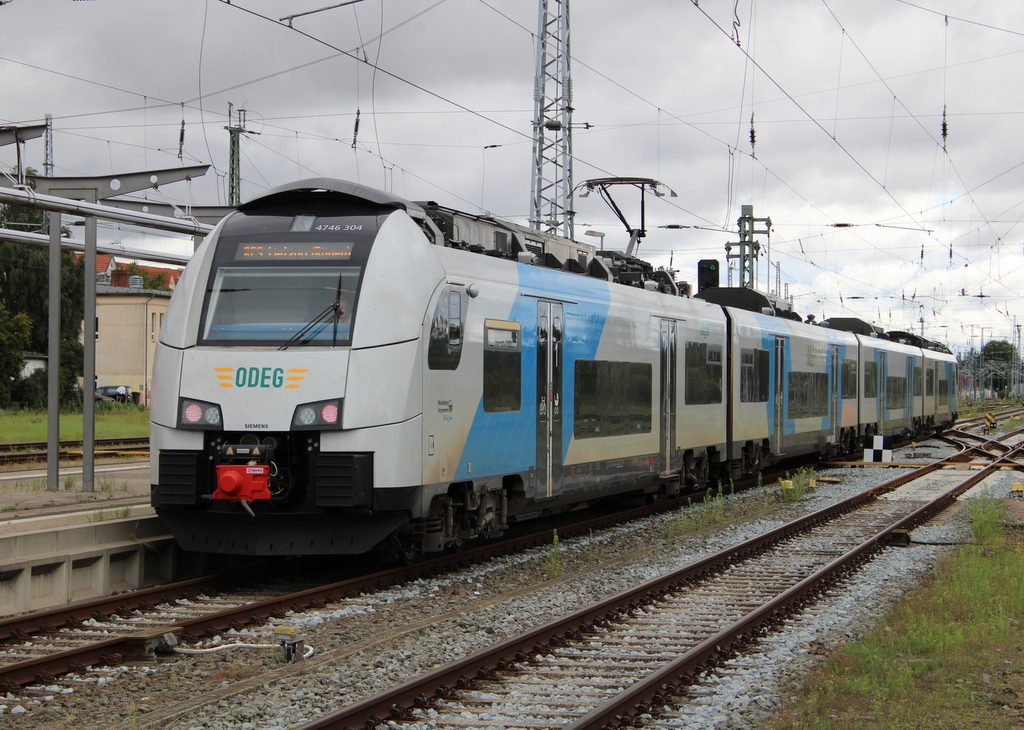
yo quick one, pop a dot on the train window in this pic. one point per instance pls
(703, 373)
(929, 382)
(849, 379)
(612, 398)
(943, 392)
(870, 379)
(918, 381)
(445, 348)
(808, 395)
(308, 304)
(503, 369)
(754, 376)
(895, 393)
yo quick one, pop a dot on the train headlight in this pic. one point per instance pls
(324, 414)
(198, 414)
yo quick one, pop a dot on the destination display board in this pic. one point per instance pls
(294, 250)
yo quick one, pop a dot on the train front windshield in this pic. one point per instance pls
(286, 280)
(276, 304)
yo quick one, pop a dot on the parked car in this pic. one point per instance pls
(119, 393)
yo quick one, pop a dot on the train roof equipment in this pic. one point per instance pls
(852, 324)
(741, 297)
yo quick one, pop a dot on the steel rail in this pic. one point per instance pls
(978, 420)
(36, 452)
(463, 673)
(26, 625)
(29, 445)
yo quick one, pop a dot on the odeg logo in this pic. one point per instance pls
(260, 377)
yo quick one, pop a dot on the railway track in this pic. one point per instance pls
(40, 646)
(215, 604)
(35, 452)
(138, 612)
(615, 663)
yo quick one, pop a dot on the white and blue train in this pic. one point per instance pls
(342, 370)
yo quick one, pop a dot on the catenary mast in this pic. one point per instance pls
(551, 186)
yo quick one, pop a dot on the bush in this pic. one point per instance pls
(30, 392)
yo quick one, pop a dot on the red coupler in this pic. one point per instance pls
(242, 481)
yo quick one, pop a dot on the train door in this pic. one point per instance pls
(912, 391)
(834, 406)
(779, 399)
(549, 399)
(883, 389)
(670, 462)
(931, 390)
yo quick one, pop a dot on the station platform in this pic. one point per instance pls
(68, 545)
(23, 493)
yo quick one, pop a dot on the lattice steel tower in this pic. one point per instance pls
(234, 173)
(551, 188)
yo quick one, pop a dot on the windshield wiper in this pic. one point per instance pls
(338, 312)
(334, 308)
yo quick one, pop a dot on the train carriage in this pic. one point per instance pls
(794, 389)
(900, 388)
(343, 370)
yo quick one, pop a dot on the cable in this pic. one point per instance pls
(309, 650)
(199, 82)
(962, 20)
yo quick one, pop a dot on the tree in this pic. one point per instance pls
(995, 364)
(14, 337)
(150, 280)
(24, 284)
(999, 351)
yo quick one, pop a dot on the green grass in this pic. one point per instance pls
(950, 656)
(718, 508)
(714, 511)
(113, 420)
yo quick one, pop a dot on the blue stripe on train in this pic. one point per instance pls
(505, 443)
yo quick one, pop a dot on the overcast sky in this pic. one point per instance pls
(874, 213)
